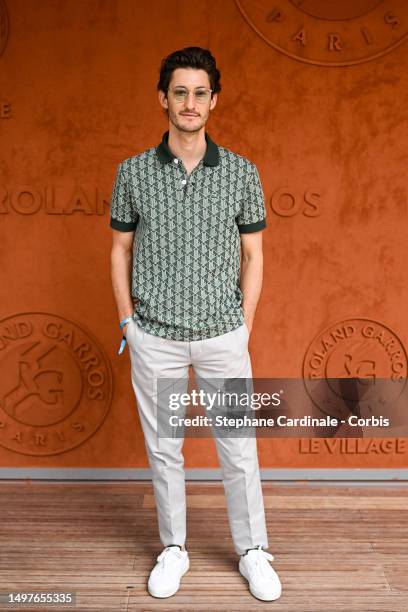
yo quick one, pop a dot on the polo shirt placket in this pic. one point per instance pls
(186, 248)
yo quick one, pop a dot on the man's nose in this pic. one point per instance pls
(190, 100)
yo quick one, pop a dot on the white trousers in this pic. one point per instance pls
(227, 356)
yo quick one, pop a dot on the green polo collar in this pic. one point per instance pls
(211, 157)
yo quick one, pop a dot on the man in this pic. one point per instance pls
(181, 212)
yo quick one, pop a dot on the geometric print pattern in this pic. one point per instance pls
(186, 248)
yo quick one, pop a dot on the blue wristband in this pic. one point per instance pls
(121, 325)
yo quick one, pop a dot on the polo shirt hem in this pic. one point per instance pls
(248, 228)
(171, 332)
(122, 226)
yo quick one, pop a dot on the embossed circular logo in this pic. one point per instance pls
(55, 386)
(329, 32)
(4, 26)
(359, 351)
(335, 10)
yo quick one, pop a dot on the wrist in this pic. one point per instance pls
(125, 321)
(122, 325)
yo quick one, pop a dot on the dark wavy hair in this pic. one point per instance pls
(189, 57)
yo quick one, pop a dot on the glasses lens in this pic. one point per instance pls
(202, 95)
(179, 94)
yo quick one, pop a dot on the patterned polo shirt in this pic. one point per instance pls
(186, 247)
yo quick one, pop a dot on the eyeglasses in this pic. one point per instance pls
(201, 94)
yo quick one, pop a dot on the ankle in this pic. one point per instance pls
(181, 546)
(248, 549)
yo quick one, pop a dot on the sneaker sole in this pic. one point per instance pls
(168, 593)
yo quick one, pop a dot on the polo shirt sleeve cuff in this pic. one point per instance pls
(248, 228)
(122, 226)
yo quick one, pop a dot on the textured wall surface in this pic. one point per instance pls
(315, 93)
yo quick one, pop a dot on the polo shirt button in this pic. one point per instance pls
(183, 182)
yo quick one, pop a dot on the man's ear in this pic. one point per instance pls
(213, 101)
(163, 99)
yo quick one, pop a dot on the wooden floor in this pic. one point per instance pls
(336, 548)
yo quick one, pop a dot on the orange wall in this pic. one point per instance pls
(315, 96)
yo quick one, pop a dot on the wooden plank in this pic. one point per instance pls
(300, 502)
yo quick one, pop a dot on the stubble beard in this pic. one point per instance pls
(174, 118)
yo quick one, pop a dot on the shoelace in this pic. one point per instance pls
(165, 555)
(259, 558)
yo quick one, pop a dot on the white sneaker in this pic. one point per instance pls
(263, 581)
(165, 577)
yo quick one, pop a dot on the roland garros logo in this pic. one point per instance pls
(329, 32)
(55, 385)
(364, 350)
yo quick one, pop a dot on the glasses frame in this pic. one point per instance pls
(188, 92)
